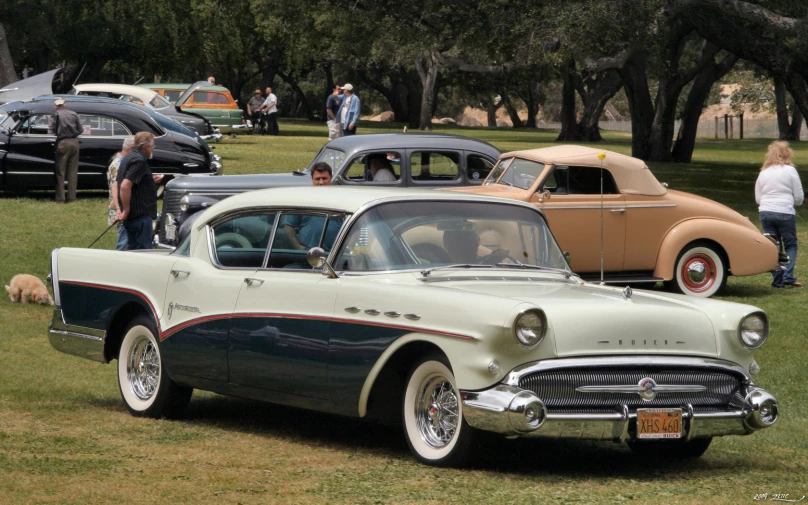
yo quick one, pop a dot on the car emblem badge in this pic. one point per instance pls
(170, 309)
(627, 293)
(647, 388)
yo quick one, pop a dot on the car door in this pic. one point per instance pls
(280, 330)
(202, 292)
(103, 136)
(30, 153)
(570, 197)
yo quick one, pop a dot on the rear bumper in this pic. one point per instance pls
(76, 340)
(511, 411)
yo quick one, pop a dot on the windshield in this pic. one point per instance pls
(516, 172)
(333, 157)
(423, 234)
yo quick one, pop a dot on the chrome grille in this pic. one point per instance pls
(557, 388)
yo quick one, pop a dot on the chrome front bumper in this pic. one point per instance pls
(76, 340)
(511, 411)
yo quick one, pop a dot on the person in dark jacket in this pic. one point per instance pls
(66, 125)
(137, 192)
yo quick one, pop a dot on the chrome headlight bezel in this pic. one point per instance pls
(764, 331)
(184, 203)
(518, 329)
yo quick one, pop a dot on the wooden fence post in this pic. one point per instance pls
(731, 127)
(740, 129)
(726, 126)
(716, 127)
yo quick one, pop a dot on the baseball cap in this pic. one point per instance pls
(59, 101)
(348, 86)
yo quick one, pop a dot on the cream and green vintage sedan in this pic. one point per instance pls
(449, 313)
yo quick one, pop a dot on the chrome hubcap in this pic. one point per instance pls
(699, 272)
(143, 368)
(436, 411)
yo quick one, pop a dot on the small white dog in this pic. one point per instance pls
(24, 286)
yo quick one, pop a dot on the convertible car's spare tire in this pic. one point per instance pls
(146, 388)
(700, 270)
(233, 241)
(673, 449)
(432, 413)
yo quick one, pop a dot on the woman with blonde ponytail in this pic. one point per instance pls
(777, 191)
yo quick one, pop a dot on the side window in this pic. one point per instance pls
(36, 124)
(586, 181)
(297, 233)
(242, 241)
(172, 95)
(434, 166)
(375, 167)
(478, 167)
(102, 126)
(556, 182)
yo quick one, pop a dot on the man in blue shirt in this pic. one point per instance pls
(349, 111)
(304, 231)
(332, 106)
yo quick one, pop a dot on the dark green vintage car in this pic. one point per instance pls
(212, 102)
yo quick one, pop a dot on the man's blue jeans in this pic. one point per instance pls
(139, 231)
(123, 239)
(784, 228)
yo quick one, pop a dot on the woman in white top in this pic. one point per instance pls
(777, 190)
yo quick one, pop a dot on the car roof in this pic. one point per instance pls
(631, 175)
(409, 140)
(338, 198)
(144, 94)
(177, 86)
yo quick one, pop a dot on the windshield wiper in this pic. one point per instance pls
(425, 272)
(567, 274)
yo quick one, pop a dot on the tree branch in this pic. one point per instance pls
(591, 67)
(464, 66)
(740, 9)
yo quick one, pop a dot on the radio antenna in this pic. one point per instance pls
(601, 156)
(79, 74)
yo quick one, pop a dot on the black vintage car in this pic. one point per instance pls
(27, 149)
(416, 160)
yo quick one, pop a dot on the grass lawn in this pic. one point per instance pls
(65, 437)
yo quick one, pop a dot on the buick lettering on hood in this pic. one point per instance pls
(449, 314)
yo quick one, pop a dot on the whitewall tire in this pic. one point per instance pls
(146, 389)
(432, 414)
(700, 270)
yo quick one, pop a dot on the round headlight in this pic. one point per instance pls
(184, 204)
(530, 328)
(754, 330)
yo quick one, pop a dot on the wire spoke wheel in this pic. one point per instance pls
(143, 368)
(436, 411)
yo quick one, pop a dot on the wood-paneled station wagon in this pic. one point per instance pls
(650, 233)
(448, 312)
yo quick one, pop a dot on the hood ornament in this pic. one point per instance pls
(627, 293)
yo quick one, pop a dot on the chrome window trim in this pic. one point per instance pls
(612, 206)
(513, 377)
(271, 241)
(57, 297)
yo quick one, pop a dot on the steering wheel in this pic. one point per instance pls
(497, 257)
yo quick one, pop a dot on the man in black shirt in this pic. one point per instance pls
(332, 106)
(137, 193)
(66, 125)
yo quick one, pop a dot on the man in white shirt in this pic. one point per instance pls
(270, 113)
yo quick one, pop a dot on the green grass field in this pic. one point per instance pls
(65, 437)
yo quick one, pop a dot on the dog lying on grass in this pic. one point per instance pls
(24, 286)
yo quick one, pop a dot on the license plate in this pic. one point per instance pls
(659, 423)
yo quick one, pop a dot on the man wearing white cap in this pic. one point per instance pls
(66, 125)
(349, 112)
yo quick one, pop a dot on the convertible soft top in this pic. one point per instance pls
(631, 174)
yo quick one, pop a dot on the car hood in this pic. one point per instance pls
(27, 89)
(590, 319)
(188, 92)
(237, 183)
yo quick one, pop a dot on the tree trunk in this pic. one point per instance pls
(304, 108)
(641, 108)
(512, 112)
(491, 107)
(569, 123)
(532, 102)
(789, 129)
(7, 73)
(429, 79)
(391, 93)
(599, 90)
(686, 138)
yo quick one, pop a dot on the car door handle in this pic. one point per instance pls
(618, 211)
(176, 273)
(251, 280)
(190, 164)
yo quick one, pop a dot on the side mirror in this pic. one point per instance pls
(317, 259)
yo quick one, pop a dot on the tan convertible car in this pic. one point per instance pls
(650, 233)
